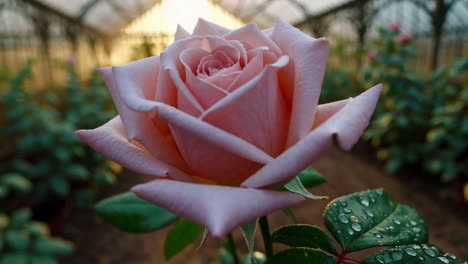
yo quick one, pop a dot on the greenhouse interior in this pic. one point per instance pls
(125, 125)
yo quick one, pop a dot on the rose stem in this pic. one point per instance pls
(232, 248)
(265, 228)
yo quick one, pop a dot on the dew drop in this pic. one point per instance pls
(444, 259)
(364, 200)
(450, 255)
(413, 223)
(356, 227)
(421, 258)
(350, 231)
(377, 235)
(430, 252)
(416, 247)
(369, 213)
(379, 192)
(347, 210)
(343, 219)
(354, 218)
(416, 229)
(380, 259)
(410, 251)
(396, 221)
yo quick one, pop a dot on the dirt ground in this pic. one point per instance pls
(100, 243)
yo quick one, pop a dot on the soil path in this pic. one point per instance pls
(99, 243)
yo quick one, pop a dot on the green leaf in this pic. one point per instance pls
(302, 256)
(181, 235)
(371, 219)
(16, 182)
(310, 177)
(38, 229)
(19, 218)
(41, 259)
(17, 239)
(53, 246)
(414, 254)
(14, 258)
(249, 230)
(130, 213)
(308, 236)
(59, 186)
(295, 186)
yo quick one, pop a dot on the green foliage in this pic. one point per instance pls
(359, 221)
(26, 241)
(130, 213)
(182, 234)
(446, 145)
(417, 254)
(42, 145)
(400, 124)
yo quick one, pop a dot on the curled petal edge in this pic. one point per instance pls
(218, 208)
(111, 141)
(346, 126)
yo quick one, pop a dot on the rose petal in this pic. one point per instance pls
(208, 149)
(252, 69)
(139, 127)
(256, 112)
(218, 208)
(325, 111)
(346, 125)
(206, 28)
(136, 83)
(181, 33)
(309, 56)
(173, 69)
(252, 35)
(110, 140)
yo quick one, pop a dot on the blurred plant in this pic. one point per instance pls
(23, 241)
(46, 150)
(447, 146)
(400, 124)
(144, 49)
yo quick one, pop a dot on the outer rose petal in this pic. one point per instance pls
(218, 208)
(325, 111)
(205, 28)
(309, 56)
(110, 140)
(181, 33)
(347, 125)
(139, 127)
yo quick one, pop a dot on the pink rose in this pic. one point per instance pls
(222, 116)
(404, 38)
(394, 27)
(372, 56)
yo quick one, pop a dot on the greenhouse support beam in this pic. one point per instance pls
(47, 9)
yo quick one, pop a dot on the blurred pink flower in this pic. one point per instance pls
(394, 27)
(404, 38)
(372, 55)
(223, 116)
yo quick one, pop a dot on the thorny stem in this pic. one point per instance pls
(232, 249)
(265, 229)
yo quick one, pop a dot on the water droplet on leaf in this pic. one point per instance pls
(343, 219)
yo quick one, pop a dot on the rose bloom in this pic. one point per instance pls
(404, 38)
(394, 27)
(372, 56)
(222, 117)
